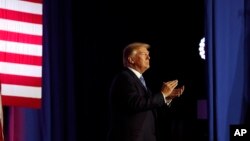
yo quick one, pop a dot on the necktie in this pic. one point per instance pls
(143, 81)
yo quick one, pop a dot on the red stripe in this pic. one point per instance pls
(20, 16)
(21, 80)
(20, 37)
(21, 101)
(21, 59)
(35, 1)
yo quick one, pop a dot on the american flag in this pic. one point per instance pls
(21, 32)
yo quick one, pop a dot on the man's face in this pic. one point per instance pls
(141, 59)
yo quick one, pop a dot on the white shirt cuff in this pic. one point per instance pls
(167, 101)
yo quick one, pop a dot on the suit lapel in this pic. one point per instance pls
(147, 92)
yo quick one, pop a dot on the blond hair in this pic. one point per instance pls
(130, 49)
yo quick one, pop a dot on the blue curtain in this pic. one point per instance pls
(227, 43)
(247, 52)
(55, 120)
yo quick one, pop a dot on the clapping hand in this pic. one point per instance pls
(177, 92)
(168, 87)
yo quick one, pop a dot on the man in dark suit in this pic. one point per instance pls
(132, 105)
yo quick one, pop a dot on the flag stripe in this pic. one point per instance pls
(20, 48)
(22, 6)
(20, 16)
(20, 27)
(19, 37)
(20, 101)
(22, 80)
(17, 58)
(21, 91)
(36, 1)
(20, 69)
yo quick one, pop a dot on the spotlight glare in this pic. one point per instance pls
(202, 48)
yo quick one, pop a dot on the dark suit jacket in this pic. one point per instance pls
(133, 109)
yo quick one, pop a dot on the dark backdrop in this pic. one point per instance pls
(103, 29)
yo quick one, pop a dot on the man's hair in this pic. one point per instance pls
(130, 49)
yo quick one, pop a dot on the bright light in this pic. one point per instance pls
(202, 48)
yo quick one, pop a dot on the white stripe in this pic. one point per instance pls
(23, 6)
(20, 69)
(21, 27)
(20, 48)
(22, 91)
